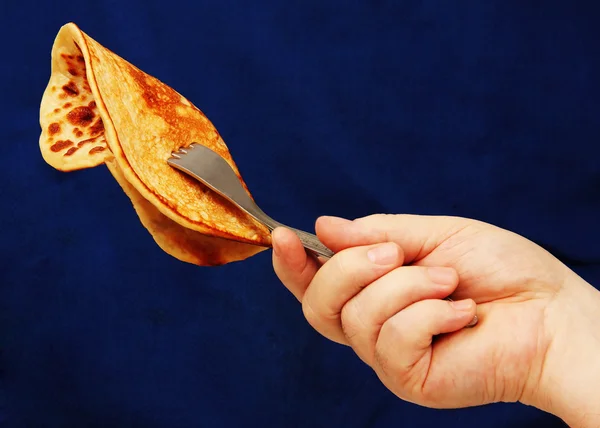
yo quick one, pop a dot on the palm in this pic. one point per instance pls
(509, 279)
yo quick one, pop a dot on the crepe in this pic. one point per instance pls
(100, 109)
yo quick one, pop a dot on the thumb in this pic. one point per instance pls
(417, 235)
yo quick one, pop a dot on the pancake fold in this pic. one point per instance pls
(100, 109)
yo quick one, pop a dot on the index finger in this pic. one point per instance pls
(418, 235)
(292, 265)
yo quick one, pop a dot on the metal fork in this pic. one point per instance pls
(211, 169)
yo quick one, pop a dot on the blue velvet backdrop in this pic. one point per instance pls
(485, 109)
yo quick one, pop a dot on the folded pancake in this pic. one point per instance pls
(99, 109)
(184, 244)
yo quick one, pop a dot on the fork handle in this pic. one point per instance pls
(312, 243)
(309, 241)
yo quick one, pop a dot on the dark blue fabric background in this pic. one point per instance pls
(484, 109)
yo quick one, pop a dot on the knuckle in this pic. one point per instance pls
(388, 329)
(379, 356)
(311, 316)
(351, 319)
(326, 325)
(349, 332)
(342, 264)
(375, 218)
(391, 363)
(378, 225)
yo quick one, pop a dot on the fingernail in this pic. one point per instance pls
(462, 305)
(473, 321)
(384, 254)
(442, 275)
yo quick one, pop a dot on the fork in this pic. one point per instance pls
(211, 169)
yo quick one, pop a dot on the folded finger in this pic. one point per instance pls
(403, 349)
(364, 315)
(340, 279)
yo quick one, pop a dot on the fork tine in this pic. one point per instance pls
(211, 169)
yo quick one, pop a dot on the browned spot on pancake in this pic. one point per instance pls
(92, 104)
(97, 127)
(71, 89)
(80, 58)
(54, 128)
(159, 98)
(149, 85)
(71, 151)
(62, 96)
(89, 140)
(53, 88)
(151, 98)
(82, 116)
(56, 110)
(96, 149)
(67, 105)
(83, 97)
(61, 145)
(72, 71)
(66, 56)
(78, 133)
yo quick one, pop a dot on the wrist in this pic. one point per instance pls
(568, 384)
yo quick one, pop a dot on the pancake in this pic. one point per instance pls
(184, 244)
(100, 109)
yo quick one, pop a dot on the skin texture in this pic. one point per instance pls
(382, 294)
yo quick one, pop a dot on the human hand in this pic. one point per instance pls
(392, 314)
